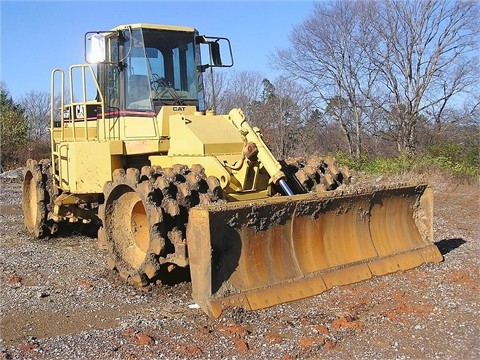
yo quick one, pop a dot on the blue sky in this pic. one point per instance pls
(38, 36)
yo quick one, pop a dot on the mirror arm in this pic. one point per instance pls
(203, 68)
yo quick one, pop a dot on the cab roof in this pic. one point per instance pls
(155, 26)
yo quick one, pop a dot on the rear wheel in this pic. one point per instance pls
(37, 179)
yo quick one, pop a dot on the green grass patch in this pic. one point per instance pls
(449, 159)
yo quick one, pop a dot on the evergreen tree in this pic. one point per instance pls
(13, 130)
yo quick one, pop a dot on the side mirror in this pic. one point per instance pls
(215, 53)
(95, 48)
(219, 50)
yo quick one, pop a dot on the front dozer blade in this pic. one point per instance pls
(260, 253)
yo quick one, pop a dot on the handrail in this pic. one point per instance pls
(83, 103)
(52, 116)
(58, 153)
(69, 112)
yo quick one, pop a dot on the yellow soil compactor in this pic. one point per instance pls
(169, 185)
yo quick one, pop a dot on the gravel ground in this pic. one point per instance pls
(59, 301)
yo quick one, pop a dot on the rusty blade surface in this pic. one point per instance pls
(257, 254)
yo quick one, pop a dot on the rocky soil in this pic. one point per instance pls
(59, 301)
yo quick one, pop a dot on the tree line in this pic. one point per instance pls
(366, 78)
(373, 76)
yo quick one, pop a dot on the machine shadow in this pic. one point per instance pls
(174, 277)
(447, 245)
(226, 251)
(75, 229)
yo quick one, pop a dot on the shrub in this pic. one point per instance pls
(449, 159)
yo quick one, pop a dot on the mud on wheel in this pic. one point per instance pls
(317, 173)
(37, 197)
(145, 214)
(132, 226)
(179, 189)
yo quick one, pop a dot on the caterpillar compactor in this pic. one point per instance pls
(169, 185)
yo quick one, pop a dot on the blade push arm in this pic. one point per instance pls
(265, 156)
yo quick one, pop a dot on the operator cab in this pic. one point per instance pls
(143, 67)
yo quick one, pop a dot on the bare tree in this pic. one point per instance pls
(243, 90)
(393, 63)
(214, 83)
(328, 53)
(281, 113)
(37, 113)
(425, 56)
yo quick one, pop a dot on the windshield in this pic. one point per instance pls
(160, 69)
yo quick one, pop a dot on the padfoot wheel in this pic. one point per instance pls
(133, 226)
(37, 181)
(145, 215)
(180, 188)
(318, 174)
